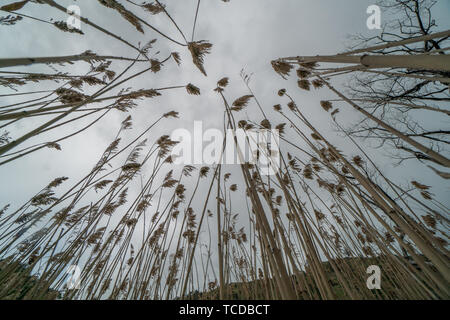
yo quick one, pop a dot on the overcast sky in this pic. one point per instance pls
(246, 34)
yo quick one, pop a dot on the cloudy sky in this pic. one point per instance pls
(245, 34)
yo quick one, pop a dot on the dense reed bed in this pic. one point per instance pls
(137, 226)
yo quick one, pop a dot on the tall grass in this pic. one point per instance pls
(139, 227)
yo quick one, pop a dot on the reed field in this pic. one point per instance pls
(362, 178)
